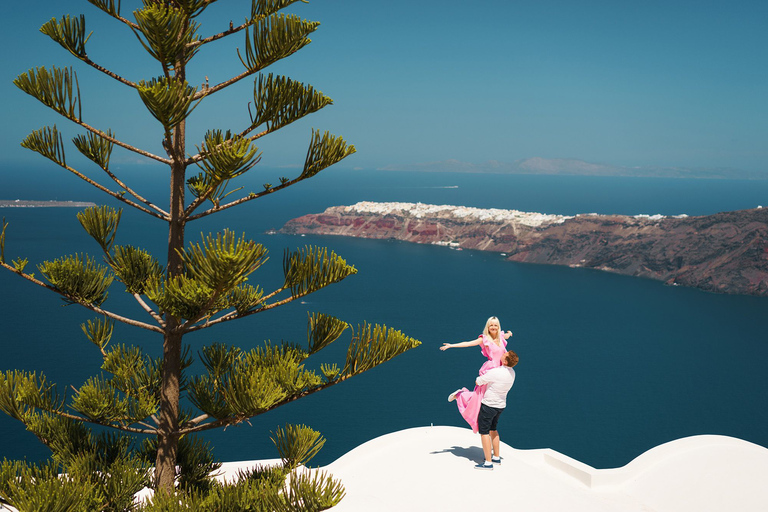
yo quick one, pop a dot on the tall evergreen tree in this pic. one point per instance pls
(198, 286)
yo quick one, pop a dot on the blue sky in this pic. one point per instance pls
(672, 83)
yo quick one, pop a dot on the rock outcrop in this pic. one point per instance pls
(725, 253)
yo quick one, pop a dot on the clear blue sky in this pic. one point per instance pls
(668, 83)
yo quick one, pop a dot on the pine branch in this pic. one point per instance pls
(98, 149)
(69, 33)
(79, 278)
(168, 100)
(310, 269)
(323, 152)
(274, 38)
(110, 138)
(48, 142)
(135, 268)
(222, 157)
(101, 223)
(108, 6)
(58, 89)
(149, 310)
(168, 33)
(95, 309)
(249, 197)
(279, 101)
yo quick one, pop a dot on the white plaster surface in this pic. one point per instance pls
(432, 468)
(429, 469)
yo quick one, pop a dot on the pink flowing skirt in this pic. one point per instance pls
(469, 405)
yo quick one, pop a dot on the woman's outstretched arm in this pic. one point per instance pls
(463, 344)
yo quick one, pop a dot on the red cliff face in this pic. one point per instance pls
(726, 252)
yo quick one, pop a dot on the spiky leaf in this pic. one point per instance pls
(101, 223)
(324, 151)
(108, 6)
(167, 32)
(226, 156)
(297, 444)
(168, 100)
(95, 147)
(273, 38)
(244, 298)
(57, 89)
(134, 267)
(374, 345)
(223, 262)
(261, 8)
(322, 330)
(310, 269)
(69, 33)
(79, 278)
(99, 331)
(48, 142)
(279, 101)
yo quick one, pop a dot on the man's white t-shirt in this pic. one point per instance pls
(499, 382)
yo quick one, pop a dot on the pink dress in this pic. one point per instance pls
(469, 401)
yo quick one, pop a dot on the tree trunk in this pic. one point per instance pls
(168, 439)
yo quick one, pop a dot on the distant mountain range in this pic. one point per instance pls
(573, 167)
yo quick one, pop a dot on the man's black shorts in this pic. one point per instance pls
(488, 418)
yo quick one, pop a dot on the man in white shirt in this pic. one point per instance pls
(499, 381)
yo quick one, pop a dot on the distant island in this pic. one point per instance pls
(724, 253)
(22, 203)
(573, 167)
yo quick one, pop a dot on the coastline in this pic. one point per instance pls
(23, 203)
(725, 252)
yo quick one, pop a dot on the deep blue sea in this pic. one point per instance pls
(610, 366)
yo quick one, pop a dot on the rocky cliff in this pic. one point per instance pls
(726, 252)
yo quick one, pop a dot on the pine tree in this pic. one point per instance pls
(199, 285)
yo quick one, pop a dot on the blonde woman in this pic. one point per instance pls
(493, 344)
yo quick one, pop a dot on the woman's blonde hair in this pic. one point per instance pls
(488, 322)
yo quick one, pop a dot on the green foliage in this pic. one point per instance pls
(244, 298)
(322, 330)
(48, 142)
(57, 89)
(21, 392)
(101, 223)
(203, 284)
(262, 8)
(19, 264)
(226, 156)
(273, 38)
(134, 267)
(108, 6)
(79, 278)
(167, 33)
(31, 488)
(280, 101)
(184, 297)
(99, 332)
(95, 147)
(134, 374)
(167, 99)
(324, 151)
(374, 344)
(242, 384)
(221, 263)
(310, 269)
(297, 444)
(69, 33)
